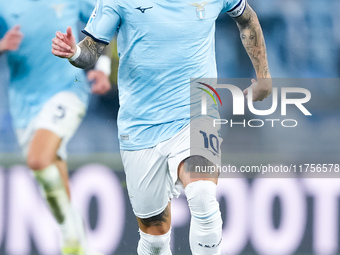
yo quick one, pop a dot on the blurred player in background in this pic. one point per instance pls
(48, 99)
(161, 46)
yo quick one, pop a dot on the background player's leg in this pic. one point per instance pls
(206, 221)
(155, 234)
(51, 174)
(63, 170)
(43, 152)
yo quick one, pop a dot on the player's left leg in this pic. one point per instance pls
(43, 151)
(44, 143)
(206, 222)
(51, 174)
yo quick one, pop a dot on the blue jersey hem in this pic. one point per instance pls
(155, 143)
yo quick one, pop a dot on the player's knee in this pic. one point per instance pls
(36, 162)
(156, 225)
(192, 162)
(201, 196)
(192, 167)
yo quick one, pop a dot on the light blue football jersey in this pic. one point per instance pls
(161, 45)
(36, 74)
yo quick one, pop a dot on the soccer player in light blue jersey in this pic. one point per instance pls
(48, 99)
(161, 45)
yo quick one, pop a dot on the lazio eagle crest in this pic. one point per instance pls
(200, 10)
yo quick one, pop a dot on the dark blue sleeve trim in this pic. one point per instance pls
(240, 13)
(239, 3)
(94, 38)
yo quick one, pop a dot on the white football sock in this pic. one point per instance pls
(56, 196)
(206, 222)
(154, 245)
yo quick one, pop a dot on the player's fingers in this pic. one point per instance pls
(100, 89)
(61, 44)
(16, 28)
(17, 35)
(56, 41)
(15, 42)
(95, 87)
(106, 89)
(91, 75)
(14, 39)
(69, 32)
(98, 84)
(59, 35)
(14, 34)
(245, 92)
(61, 54)
(56, 47)
(95, 90)
(58, 53)
(253, 81)
(13, 47)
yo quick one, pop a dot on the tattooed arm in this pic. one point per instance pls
(84, 55)
(90, 51)
(253, 42)
(101, 73)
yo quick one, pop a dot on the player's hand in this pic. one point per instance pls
(64, 45)
(12, 39)
(260, 89)
(101, 83)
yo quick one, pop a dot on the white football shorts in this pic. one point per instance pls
(152, 174)
(61, 114)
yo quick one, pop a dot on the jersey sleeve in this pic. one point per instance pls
(86, 8)
(103, 22)
(234, 8)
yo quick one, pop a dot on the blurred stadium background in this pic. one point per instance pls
(274, 216)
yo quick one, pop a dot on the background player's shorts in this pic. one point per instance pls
(152, 174)
(62, 114)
